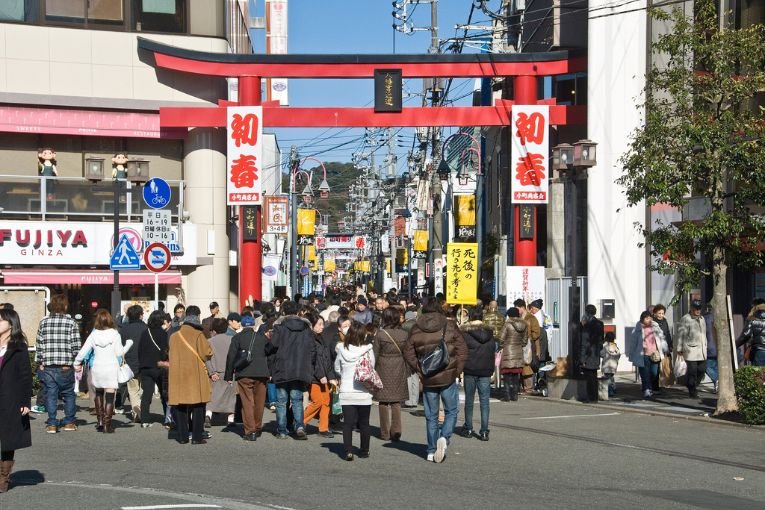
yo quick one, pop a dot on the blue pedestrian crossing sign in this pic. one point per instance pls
(124, 256)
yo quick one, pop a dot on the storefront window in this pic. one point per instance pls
(160, 15)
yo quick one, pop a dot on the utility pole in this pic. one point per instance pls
(436, 220)
(294, 163)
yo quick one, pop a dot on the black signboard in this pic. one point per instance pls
(388, 90)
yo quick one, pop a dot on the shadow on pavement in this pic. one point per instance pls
(418, 449)
(27, 477)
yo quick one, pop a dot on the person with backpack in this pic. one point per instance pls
(432, 332)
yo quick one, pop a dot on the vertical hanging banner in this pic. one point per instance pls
(530, 154)
(249, 222)
(420, 245)
(276, 218)
(276, 44)
(306, 226)
(244, 128)
(464, 218)
(462, 273)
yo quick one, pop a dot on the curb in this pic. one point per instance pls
(701, 419)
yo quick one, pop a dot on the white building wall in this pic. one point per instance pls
(616, 77)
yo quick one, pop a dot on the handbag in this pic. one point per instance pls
(366, 374)
(655, 357)
(436, 360)
(244, 356)
(125, 373)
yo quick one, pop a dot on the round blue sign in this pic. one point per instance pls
(304, 271)
(269, 271)
(156, 193)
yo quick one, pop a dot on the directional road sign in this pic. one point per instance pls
(157, 257)
(124, 256)
(156, 193)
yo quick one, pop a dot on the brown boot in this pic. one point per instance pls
(5, 474)
(99, 400)
(108, 413)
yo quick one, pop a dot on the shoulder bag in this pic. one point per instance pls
(125, 373)
(366, 374)
(204, 365)
(436, 360)
(244, 356)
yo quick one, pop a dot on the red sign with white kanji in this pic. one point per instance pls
(245, 155)
(530, 159)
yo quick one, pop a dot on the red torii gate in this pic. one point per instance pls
(524, 68)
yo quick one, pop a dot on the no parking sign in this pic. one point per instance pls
(157, 257)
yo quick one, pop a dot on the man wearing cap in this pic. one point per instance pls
(691, 343)
(207, 322)
(363, 314)
(234, 324)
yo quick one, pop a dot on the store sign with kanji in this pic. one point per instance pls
(245, 155)
(275, 214)
(530, 159)
(462, 273)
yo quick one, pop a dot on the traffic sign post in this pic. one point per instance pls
(156, 193)
(157, 259)
(124, 256)
(157, 226)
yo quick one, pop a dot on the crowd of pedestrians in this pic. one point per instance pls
(344, 352)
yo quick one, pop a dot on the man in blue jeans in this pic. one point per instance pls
(481, 346)
(292, 355)
(426, 335)
(57, 343)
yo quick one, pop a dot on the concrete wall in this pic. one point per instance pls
(93, 68)
(617, 62)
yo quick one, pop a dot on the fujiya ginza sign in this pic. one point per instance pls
(73, 243)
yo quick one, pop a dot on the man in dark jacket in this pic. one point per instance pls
(426, 335)
(251, 380)
(292, 354)
(592, 343)
(481, 346)
(754, 335)
(207, 322)
(133, 330)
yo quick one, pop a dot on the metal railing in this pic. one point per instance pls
(73, 198)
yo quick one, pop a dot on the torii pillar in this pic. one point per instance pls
(250, 252)
(525, 250)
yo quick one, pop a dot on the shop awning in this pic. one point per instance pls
(84, 277)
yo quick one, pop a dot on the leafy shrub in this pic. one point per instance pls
(750, 392)
(35, 380)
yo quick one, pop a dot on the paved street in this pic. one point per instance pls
(546, 453)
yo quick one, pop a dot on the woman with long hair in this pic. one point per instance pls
(646, 348)
(108, 352)
(152, 355)
(355, 397)
(15, 393)
(389, 344)
(323, 377)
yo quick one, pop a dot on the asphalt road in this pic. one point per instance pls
(541, 454)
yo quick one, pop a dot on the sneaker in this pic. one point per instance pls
(430, 458)
(349, 456)
(39, 409)
(250, 437)
(145, 425)
(51, 429)
(647, 394)
(468, 433)
(328, 435)
(272, 407)
(281, 436)
(440, 450)
(119, 411)
(69, 427)
(300, 434)
(363, 454)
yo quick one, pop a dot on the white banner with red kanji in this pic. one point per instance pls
(244, 161)
(530, 163)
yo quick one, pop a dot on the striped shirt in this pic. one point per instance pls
(58, 340)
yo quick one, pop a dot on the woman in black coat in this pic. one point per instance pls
(15, 393)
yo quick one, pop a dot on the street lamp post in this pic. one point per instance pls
(573, 161)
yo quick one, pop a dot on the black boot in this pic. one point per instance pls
(108, 413)
(507, 383)
(99, 401)
(514, 386)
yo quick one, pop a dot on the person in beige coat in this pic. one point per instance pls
(189, 387)
(691, 343)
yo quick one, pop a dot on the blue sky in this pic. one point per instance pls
(358, 26)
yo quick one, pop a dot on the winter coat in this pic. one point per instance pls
(223, 394)
(292, 351)
(108, 350)
(258, 367)
(133, 330)
(364, 317)
(514, 338)
(495, 321)
(754, 332)
(664, 325)
(691, 338)
(188, 382)
(152, 348)
(634, 344)
(535, 335)
(426, 335)
(591, 343)
(481, 347)
(324, 365)
(391, 365)
(352, 392)
(15, 393)
(610, 354)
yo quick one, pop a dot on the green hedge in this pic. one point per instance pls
(35, 380)
(750, 392)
